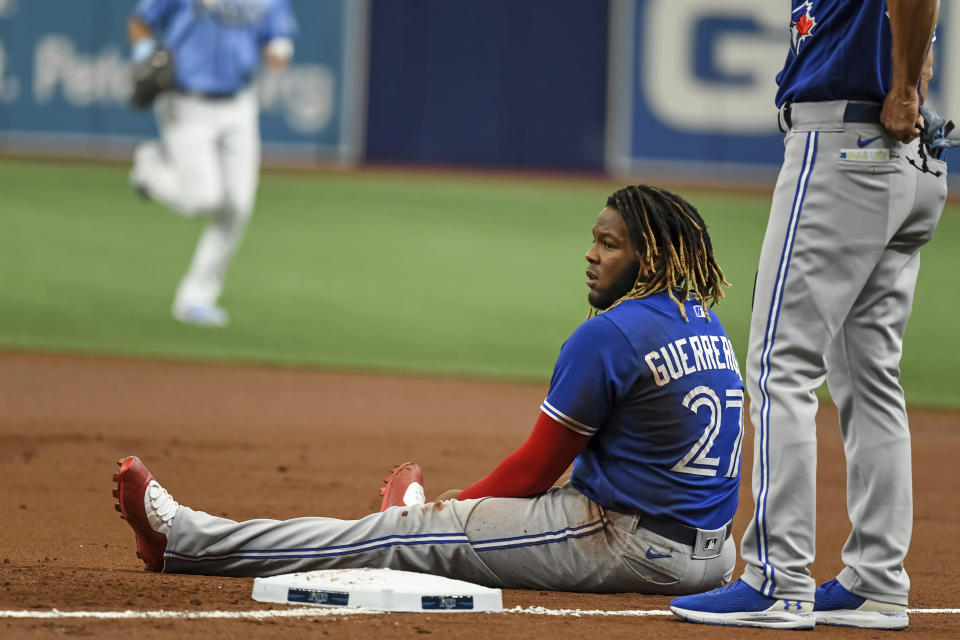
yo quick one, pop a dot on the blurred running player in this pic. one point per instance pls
(208, 159)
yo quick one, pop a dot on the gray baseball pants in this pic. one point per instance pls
(834, 291)
(557, 541)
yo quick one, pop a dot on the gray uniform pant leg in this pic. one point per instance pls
(863, 371)
(832, 223)
(424, 538)
(604, 551)
(558, 541)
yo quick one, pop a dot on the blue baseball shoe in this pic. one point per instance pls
(836, 606)
(740, 605)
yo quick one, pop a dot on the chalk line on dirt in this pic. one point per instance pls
(319, 612)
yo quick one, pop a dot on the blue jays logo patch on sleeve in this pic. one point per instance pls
(802, 25)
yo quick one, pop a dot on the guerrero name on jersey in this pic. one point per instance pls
(621, 377)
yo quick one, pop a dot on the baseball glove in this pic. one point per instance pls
(936, 135)
(152, 77)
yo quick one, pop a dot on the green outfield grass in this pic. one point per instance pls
(445, 274)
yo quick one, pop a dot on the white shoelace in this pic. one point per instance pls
(160, 507)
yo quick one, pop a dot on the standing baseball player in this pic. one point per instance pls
(857, 198)
(208, 158)
(645, 397)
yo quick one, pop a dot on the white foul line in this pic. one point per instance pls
(317, 612)
(576, 613)
(260, 614)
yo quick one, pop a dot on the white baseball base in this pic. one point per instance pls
(377, 589)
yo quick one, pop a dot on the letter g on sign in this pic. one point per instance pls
(743, 58)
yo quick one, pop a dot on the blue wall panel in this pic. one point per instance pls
(516, 83)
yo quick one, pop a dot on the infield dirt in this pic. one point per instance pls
(247, 442)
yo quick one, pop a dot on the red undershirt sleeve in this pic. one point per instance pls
(535, 466)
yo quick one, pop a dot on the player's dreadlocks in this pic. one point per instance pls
(675, 251)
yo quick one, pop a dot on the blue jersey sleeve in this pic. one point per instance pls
(278, 23)
(596, 368)
(155, 13)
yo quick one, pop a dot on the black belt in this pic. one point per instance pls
(208, 95)
(674, 530)
(854, 112)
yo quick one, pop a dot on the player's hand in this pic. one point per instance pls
(274, 61)
(901, 115)
(278, 52)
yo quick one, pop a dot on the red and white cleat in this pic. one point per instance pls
(403, 487)
(147, 508)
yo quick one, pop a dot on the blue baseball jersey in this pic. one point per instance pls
(839, 50)
(662, 401)
(217, 44)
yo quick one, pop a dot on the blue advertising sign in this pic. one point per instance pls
(692, 85)
(65, 81)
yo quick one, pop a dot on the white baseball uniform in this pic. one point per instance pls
(207, 160)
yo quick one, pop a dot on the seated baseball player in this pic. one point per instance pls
(645, 400)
